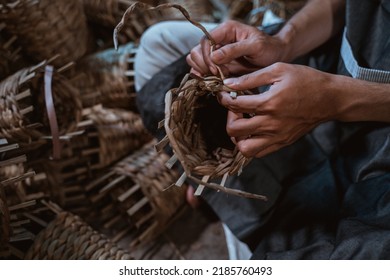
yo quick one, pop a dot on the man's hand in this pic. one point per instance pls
(298, 100)
(240, 49)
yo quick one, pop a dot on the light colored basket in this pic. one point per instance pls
(107, 78)
(46, 28)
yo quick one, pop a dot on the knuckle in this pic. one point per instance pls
(245, 149)
(279, 66)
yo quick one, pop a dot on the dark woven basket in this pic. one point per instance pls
(59, 25)
(107, 78)
(24, 118)
(201, 10)
(12, 209)
(138, 187)
(108, 136)
(68, 237)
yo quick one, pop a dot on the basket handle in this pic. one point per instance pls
(51, 113)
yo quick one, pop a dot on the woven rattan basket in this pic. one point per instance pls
(68, 237)
(138, 186)
(33, 100)
(195, 123)
(12, 209)
(46, 28)
(107, 78)
(106, 136)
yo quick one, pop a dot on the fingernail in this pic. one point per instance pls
(229, 81)
(216, 55)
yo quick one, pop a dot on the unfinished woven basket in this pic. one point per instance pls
(25, 108)
(138, 187)
(68, 237)
(107, 78)
(46, 28)
(108, 136)
(195, 122)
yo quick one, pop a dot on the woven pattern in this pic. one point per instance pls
(107, 78)
(107, 136)
(69, 238)
(201, 10)
(198, 138)
(22, 105)
(46, 28)
(138, 187)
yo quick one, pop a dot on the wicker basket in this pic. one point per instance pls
(195, 126)
(12, 209)
(139, 188)
(46, 28)
(24, 105)
(107, 78)
(108, 135)
(68, 237)
(201, 10)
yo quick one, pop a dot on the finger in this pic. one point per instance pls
(265, 76)
(232, 51)
(252, 146)
(193, 71)
(205, 48)
(256, 125)
(250, 104)
(195, 60)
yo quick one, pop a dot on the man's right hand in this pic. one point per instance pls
(240, 49)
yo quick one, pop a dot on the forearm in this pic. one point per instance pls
(358, 100)
(318, 21)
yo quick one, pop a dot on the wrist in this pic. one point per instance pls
(286, 38)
